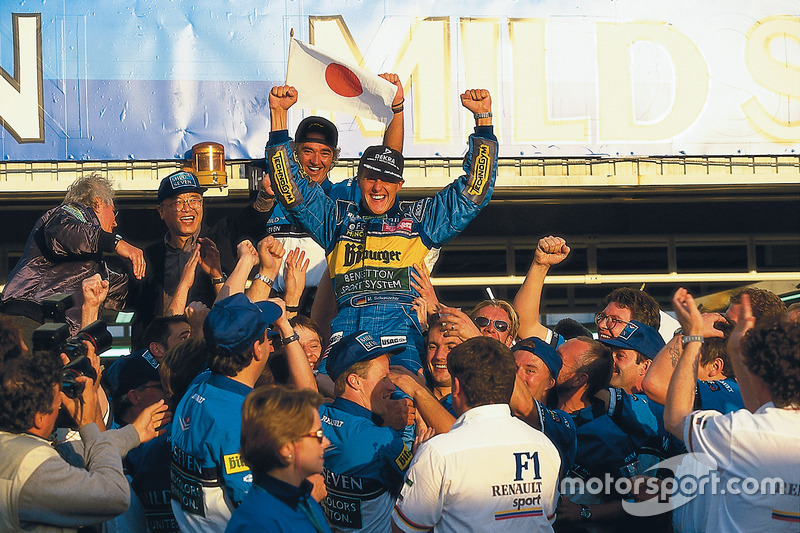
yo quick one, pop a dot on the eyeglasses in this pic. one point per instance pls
(318, 434)
(500, 325)
(178, 205)
(611, 321)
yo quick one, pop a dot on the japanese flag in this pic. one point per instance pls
(325, 82)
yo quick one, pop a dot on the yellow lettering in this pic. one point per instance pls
(423, 62)
(480, 43)
(617, 114)
(532, 113)
(22, 95)
(776, 75)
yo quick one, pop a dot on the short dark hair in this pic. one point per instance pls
(485, 369)
(223, 361)
(271, 417)
(763, 303)
(158, 330)
(304, 322)
(772, 352)
(569, 328)
(714, 348)
(27, 387)
(597, 363)
(643, 307)
(180, 365)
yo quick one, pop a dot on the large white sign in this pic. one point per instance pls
(597, 77)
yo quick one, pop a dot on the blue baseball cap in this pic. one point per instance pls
(178, 183)
(359, 346)
(638, 337)
(235, 323)
(543, 351)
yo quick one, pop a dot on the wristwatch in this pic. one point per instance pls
(219, 280)
(291, 338)
(265, 279)
(117, 238)
(692, 338)
(586, 513)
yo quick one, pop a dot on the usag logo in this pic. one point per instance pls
(281, 177)
(481, 173)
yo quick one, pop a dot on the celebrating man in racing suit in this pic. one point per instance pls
(373, 244)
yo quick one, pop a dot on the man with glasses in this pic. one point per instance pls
(189, 241)
(623, 305)
(64, 248)
(496, 319)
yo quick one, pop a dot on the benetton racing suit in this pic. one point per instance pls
(370, 257)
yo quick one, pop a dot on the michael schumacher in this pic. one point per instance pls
(373, 244)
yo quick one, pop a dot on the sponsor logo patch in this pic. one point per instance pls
(234, 464)
(281, 178)
(404, 459)
(481, 168)
(392, 340)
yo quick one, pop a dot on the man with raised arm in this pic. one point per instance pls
(372, 244)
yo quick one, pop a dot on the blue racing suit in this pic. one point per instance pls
(370, 257)
(209, 478)
(364, 467)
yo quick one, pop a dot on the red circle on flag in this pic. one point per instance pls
(343, 81)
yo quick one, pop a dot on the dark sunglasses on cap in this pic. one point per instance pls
(500, 325)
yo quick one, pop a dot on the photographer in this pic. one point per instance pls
(40, 488)
(65, 247)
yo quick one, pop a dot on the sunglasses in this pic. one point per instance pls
(318, 434)
(500, 325)
(612, 321)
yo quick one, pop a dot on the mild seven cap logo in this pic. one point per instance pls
(367, 342)
(628, 332)
(183, 179)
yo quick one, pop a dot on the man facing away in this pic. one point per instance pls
(491, 472)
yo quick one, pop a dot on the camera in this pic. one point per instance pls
(54, 338)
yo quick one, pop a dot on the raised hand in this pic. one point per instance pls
(394, 79)
(477, 100)
(551, 251)
(282, 97)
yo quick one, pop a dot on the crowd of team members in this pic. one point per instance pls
(239, 413)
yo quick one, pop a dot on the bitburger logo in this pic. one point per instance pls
(355, 253)
(281, 177)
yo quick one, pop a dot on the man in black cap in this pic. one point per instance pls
(316, 147)
(189, 263)
(133, 384)
(373, 244)
(364, 464)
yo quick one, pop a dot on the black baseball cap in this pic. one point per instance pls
(178, 183)
(382, 161)
(311, 128)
